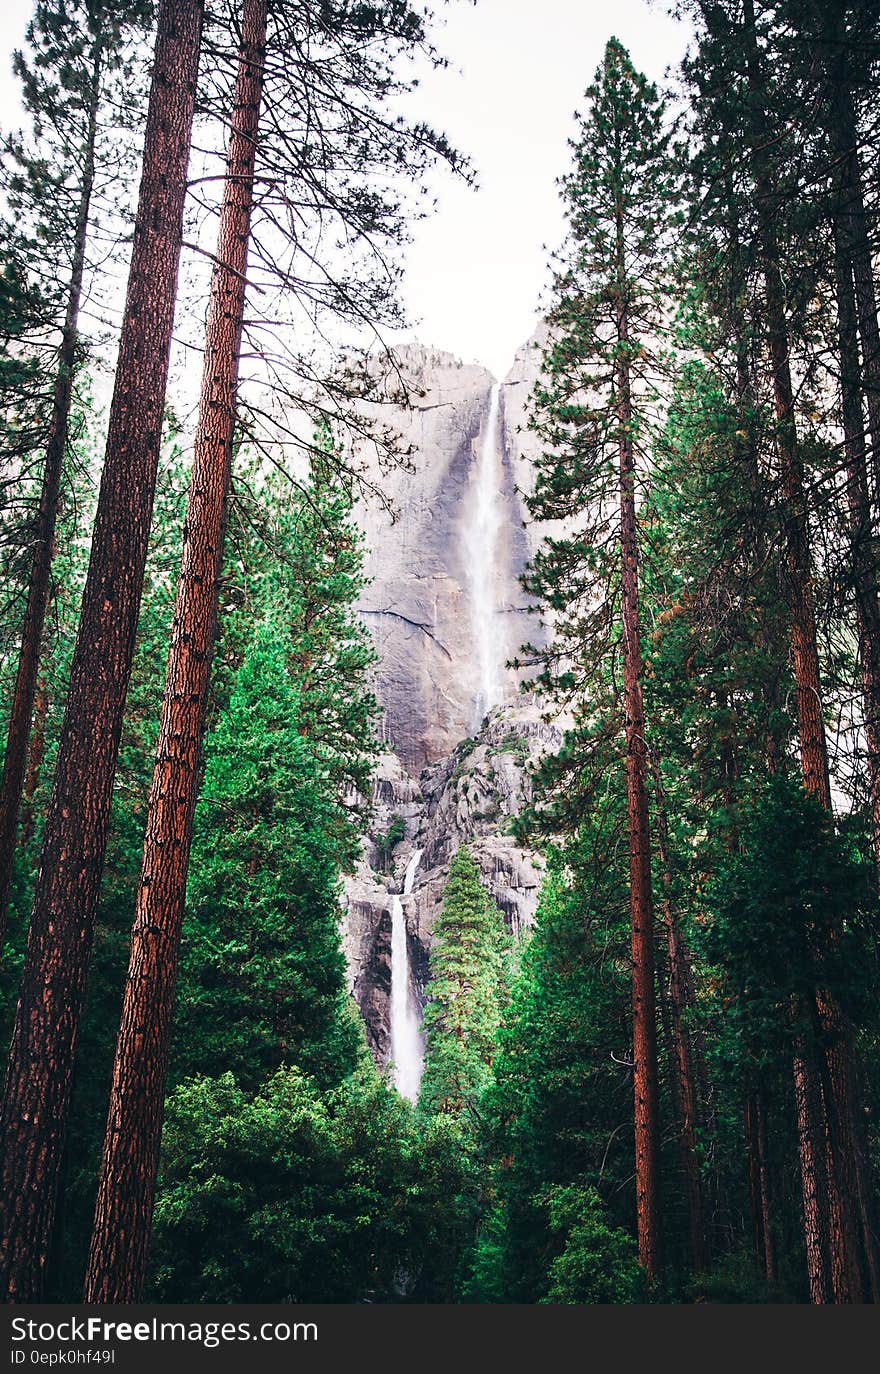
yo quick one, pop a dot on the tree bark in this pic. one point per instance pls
(35, 760)
(834, 1126)
(857, 313)
(855, 225)
(759, 1184)
(816, 1226)
(645, 1075)
(39, 581)
(750, 1123)
(126, 1189)
(38, 1081)
(769, 1244)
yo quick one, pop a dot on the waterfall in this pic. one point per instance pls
(407, 1045)
(480, 547)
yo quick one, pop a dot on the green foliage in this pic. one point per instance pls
(462, 754)
(597, 1263)
(296, 557)
(287, 785)
(794, 909)
(514, 743)
(386, 843)
(262, 978)
(466, 991)
(560, 1092)
(288, 1194)
(291, 1194)
(292, 1170)
(607, 312)
(84, 58)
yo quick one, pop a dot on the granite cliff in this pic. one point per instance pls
(446, 610)
(423, 549)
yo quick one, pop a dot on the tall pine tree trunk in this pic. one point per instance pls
(834, 1126)
(21, 714)
(35, 760)
(759, 1183)
(811, 1136)
(126, 1189)
(860, 523)
(38, 1080)
(854, 224)
(645, 1077)
(856, 314)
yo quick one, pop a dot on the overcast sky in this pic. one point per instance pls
(518, 71)
(477, 268)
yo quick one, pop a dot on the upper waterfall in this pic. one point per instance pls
(446, 547)
(480, 537)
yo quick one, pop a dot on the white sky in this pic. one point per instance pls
(476, 270)
(518, 71)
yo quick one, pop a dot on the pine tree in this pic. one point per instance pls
(293, 1195)
(79, 53)
(717, 680)
(24, 311)
(134, 1122)
(838, 49)
(134, 1126)
(560, 1087)
(263, 976)
(739, 109)
(759, 940)
(37, 1092)
(466, 993)
(596, 411)
(303, 556)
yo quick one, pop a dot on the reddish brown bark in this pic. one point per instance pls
(856, 315)
(856, 240)
(807, 1113)
(35, 760)
(20, 717)
(834, 1067)
(38, 1078)
(754, 1183)
(861, 539)
(868, 622)
(124, 1210)
(832, 1131)
(645, 1084)
(645, 1076)
(811, 727)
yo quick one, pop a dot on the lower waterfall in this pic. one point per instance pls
(407, 1044)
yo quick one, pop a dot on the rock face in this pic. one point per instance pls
(520, 444)
(470, 797)
(419, 603)
(446, 611)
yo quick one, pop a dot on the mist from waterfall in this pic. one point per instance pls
(480, 539)
(407, 1041)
